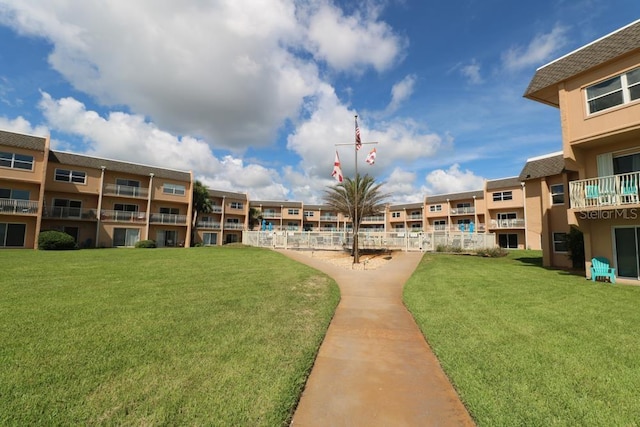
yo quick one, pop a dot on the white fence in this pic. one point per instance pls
(339, 240)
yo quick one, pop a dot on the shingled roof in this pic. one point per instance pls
(229, 194)
(605, 49)
(114, 165)
(417, 205)
(494, 184)
(20, 140)
(538, 167)
(455, 196)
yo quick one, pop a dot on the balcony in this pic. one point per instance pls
(463, 211)
(18, 206)
(216, 209)
(414, 217)
(211, 225)
(125, 191)
(123, 216)
(332, 218)
(271, 215)
(507, 223)
(374, 218)
(466, 228)
(233, 226)
(71, 213)
(605, 192)
(162, 218)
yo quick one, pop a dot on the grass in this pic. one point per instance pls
(525, 345)
(201, 336)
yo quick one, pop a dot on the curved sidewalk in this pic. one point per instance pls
(374, 367)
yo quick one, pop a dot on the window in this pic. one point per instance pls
(416, 225)
(127, 182)
(233, 221)
(395, 214)
(16, 161)
(557, 194)
(508, 241)
(440, 224)
(626, 163)
(12, 235)
(463, 205)
(170, 211)
(63, 208)
(64, 175)
(560, 242)
(615, 91)
(8, 193)
(308, 214)
(293, 211)
(292, 225)
(176, 189)
(502, 195)
(125, 207)
(435, 208)
(209, 239)
(507, 215)
(236, 205)
(125, 236)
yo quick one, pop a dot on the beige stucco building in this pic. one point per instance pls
(597, 90)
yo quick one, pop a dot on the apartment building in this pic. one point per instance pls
(228, 218)
(279, 215)
(546, 203)
(597, 90)
(453, 212)
(505, 212)
(406, 217)
(100, 202)
(323, 218)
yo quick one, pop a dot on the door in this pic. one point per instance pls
(508, 241)
(627, 247)
(72, 231)
(125, 236)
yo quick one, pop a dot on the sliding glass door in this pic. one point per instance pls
(627, 249)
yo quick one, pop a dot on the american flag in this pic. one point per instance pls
(358, 140)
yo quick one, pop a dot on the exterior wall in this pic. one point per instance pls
(581, 126)
(533, 212)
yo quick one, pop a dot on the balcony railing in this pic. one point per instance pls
(463, 211)
(125, 190)
(271, 215)
(18, 206)
(216, 209)
(71, 213)
(477, 228)
(211, 225)
(163, 218)
(373, 218)
(123, 216)
(329, 218)
(233, 226)
(607, 191)
(507, 223)
(414, 216)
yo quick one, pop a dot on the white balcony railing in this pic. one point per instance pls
(216, 209)
(477, 228)
(123, 216)
(125, 190)
(414, 216)
(507, 223)
(271, 215)
(373, 218)
(463, 211)
(329, 218)
(18, 206)
(607, 191)
(163, 218)
(211, 225)
(233, 226)
(70, 213)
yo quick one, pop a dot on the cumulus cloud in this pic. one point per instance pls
(539, 50)
(452, 180)
(22, 125)
(400, 92)
(230, 72)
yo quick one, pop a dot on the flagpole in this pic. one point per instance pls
(356, 255)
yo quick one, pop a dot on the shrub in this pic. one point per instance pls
(494, 252)
(145, 244)
(52, 240)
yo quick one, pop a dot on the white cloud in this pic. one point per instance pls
(539, 50)
(226, 71)
(22, 125)
(345, 42)
(452, 180)
(472, 72)
(400, 92)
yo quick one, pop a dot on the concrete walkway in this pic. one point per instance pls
(374, 367)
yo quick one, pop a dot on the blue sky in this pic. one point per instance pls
(253, 96)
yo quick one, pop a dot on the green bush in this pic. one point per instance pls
(52, 240)
(494, 252)
(145, 244)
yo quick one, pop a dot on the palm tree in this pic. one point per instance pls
(370, 201)
(255, 216)
(201, 204)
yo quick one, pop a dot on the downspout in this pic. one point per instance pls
(99, 213)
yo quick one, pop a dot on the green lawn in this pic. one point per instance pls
(201, 336)
(525, 345)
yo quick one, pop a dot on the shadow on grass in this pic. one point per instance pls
(533, 261)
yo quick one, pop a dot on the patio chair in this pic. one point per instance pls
(600, 267)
